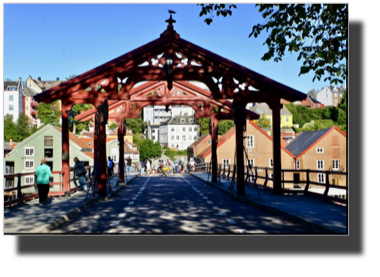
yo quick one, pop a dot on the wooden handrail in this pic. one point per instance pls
(306, 190)
(21, 198)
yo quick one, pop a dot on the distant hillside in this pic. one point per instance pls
(319, 118)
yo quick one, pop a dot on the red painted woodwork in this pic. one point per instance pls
(115, 80)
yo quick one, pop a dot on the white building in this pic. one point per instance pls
(13, 98)
(158, 114)
(329, 96)
(152, 131)
(178, 132)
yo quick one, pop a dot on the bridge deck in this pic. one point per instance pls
(308, 211)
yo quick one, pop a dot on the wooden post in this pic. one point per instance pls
(102, 161)
(214, 141)
(276, 106)
(19, 192)
(65, 148)
(240, 184)
(121, 149)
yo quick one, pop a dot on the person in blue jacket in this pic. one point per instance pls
(80, 171)
(43, 174)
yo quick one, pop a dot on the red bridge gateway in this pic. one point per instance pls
(172, 59)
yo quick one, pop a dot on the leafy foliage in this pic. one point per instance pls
(149, 150)
(322, 117)
(318, 32)
(77, 126)
(18, 131)
(49, 113)
(263, 122)
(170, 153)
(223, 126)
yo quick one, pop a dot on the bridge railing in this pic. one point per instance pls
(326, 184)
(17, 190)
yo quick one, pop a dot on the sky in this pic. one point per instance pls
(59, 40)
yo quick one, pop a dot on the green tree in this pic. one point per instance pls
(317, 32)
(9, 128)
(224, 126)
(77, 126)
(263, 122)
(48, 113)
(149, 150)
(18, 131)
(113, 125)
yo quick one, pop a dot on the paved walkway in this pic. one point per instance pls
(315, 214)
(308, 211)
(31, 218)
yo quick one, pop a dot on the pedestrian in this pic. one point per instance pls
(110, 166)
(138, 169)
(148, 167)
(142, 167)
(129, 164)
(43, 174)
(176, 166)
(80, 171)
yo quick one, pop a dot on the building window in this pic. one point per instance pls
(172, 129)
(251, 162)
(320, 164)
(270, 162)
(10, 97)
(320, 150)
(11, 107)
(271, 177)
(48, 153)
(29, 151)
(191, 120)
(250, 141)
(153, 137)
(48, 141)
(113, 158)
(269, 118)
(177, 137)
(209, 141)
(153, 131)
(318, 105)
(184, 129)
(29, 164)
(89, 142)
(195, 129)
(287, 119)
(327, 96)
(182, 120)
(190, 137)
(190, 129)
(336, 165)
(29, 180)
(321, 178)
(226, 162)
(183, 138)
(335, 141)
(297, 165)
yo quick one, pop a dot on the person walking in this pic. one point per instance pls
(80, 171)
(142, 167)
(43, 174)
(176, 166)
(129, 164)
(148, 167)
(110, 167)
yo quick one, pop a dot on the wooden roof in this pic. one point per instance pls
(201, 65)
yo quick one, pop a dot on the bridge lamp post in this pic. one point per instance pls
(169, 66)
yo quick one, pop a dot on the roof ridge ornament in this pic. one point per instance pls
(169, 32)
